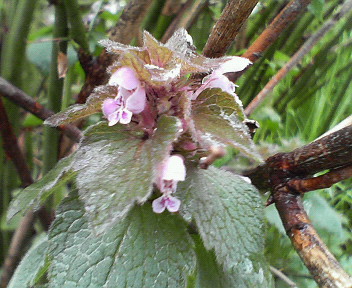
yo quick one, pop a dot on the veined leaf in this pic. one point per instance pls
(31, 265)
(115, 167)
(210, 274)
(36, 194)
(142, 250)
(218, 121)
(228, 213)
(78, 111)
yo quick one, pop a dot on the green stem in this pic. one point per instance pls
(77, 29)
(51, 135)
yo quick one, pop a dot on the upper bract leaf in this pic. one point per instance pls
(228, 212)
(78, 111)
(36, 194)
(142, 250)
(115, 167)
(218, 121)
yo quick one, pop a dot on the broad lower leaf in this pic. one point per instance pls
(31, 265)
(79, 111)
(116, 168)
(210, 274)
(218, 121)
(36, 194)
(228, 213)
(142, 250)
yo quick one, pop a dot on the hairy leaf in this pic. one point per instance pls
(78, 111)
(31, 265)
(36, 194)
(115, 168)
(228, 213)
(211, 274)
(143, 250)
(218, 121)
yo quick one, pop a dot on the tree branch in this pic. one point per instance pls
(280, 23)
(297, 57)
(13, 151)
(21, 99)
(287, 175)
(227, 27)
(323, 266)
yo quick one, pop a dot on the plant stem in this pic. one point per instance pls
(77, 29)
(51, 135)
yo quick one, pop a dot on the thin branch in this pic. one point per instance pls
(184, 17)
(14, 252)
(297, 57)
(323, 266)
(283, 277)
(320, 182)
(330, 152)
(21, 99)
(13, 151)
(227, 27)
(280, 23)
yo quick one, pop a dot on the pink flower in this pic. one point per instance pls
(217, 80)
(166, 202)
(130, 99)
(169, 173)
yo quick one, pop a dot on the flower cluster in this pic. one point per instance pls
(153, 80)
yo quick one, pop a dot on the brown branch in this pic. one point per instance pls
(283, 277)
(126, 29)
(287, 175)
(280, 23)
(14, 253)
(13, 152)
(227, 27)
(297, 57)
(320, 182)
(323, 266)
(21, 99)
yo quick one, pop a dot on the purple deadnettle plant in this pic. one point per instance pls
(138, 183)
(160, 83)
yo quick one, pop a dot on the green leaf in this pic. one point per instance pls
(36, 194)
(116, 168)
(228, 212)
(218, 121)
(31, 266)
(212, 275)
(143, 250)
(78, 111)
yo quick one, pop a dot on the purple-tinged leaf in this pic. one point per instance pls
(218, 121)
(79, 111)
(116, 168)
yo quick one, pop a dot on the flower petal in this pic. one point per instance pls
(136, 101)
(159, 205)
(172, 203)
(109, 106)
(125, 77)
(174, 169)
(125, 116)
(234, 65)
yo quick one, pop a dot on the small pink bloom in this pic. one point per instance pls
(166, 201)
(170, 172)
(217, 80)
(130, 99)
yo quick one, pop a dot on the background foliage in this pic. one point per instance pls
(314, 97)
